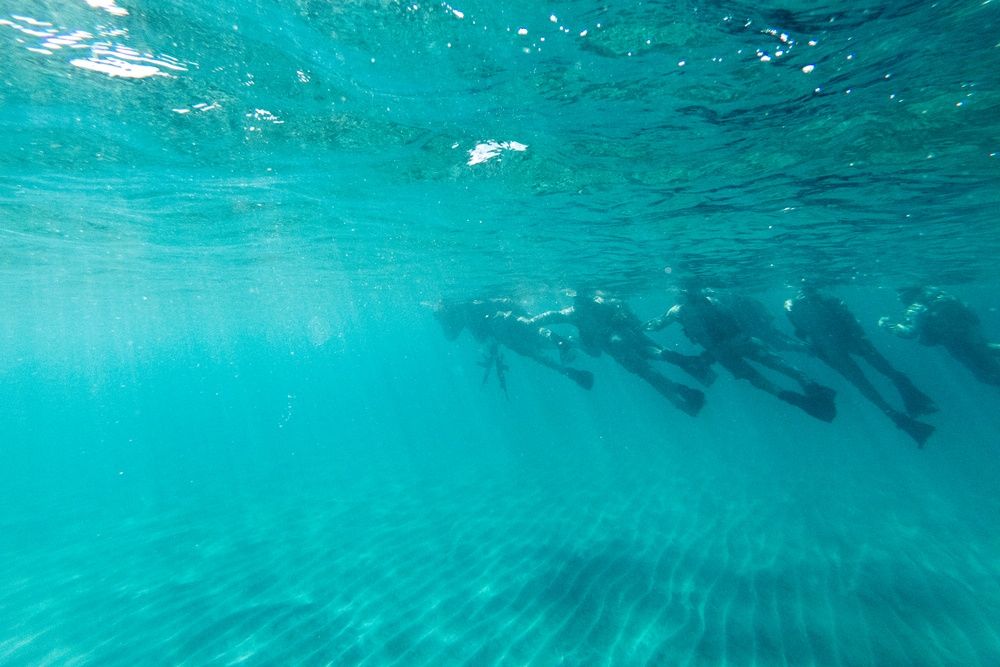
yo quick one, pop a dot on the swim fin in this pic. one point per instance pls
(919, 431)
(683, 398)
(689, 400)
(583, 378)
(819, 391)
(700, 368)
(820, 406)
(917, 402)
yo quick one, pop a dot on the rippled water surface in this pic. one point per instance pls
(231, 431)
(738, 142)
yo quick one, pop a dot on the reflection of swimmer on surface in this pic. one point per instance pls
(834, 334)
(608, 325)
(712, 324)
(934, 317)
(498, 322)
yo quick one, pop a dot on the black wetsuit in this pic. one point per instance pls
(938, 318)
(834, 334)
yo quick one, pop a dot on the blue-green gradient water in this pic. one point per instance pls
(232, 432)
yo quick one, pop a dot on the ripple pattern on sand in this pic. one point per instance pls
(665, 570)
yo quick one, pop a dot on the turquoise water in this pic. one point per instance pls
(232, 432)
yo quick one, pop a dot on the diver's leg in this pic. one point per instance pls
(683, 397)
(583, 378)
(818, 405)
(733, 362)
(564, 344)
(786, 343)
(916, 401)
(848, 368)
(762, 355)
(757, 351)
(981, 360)
(699, 367)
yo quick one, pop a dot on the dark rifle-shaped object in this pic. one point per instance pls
(494, 359)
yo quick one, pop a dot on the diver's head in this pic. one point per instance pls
(692, 284)
(809, 287)
(587, 296)
(913, 294)
(694, 287)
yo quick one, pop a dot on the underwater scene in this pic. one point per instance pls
(370, 332)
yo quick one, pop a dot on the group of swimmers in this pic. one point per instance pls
(734, 330)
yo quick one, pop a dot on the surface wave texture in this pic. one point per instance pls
(232, 432)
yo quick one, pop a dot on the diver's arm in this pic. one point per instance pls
(663, 321)
(790, 310)
(783, 341)
(550, 317)
(556, 338)
(901, 330)
(908, 327)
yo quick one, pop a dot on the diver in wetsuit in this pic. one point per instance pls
(934, 317)
(496, 322)
(834, 334)
(753, 320)
(713, 325)
(608, 325)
